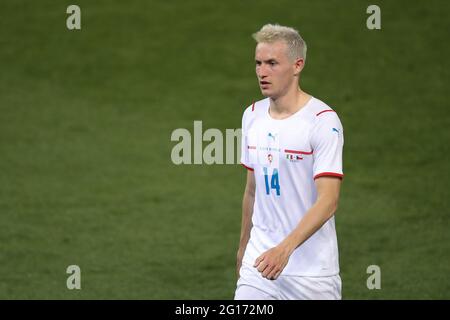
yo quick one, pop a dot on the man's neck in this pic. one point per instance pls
(284, 106)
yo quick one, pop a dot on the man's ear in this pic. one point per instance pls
(298, 66)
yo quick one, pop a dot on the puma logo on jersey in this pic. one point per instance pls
(270, 135)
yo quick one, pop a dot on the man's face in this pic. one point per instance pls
(274, 69)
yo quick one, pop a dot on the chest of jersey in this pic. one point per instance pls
(274, 143)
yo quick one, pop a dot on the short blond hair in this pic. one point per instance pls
(270, 33)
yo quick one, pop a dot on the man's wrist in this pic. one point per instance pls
(288, 246)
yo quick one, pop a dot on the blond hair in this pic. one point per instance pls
(270, 33)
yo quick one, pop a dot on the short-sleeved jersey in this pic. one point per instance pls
(287, 156)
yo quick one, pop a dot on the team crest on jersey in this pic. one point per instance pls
(270, 157)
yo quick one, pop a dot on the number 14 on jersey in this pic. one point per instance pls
(274, 181)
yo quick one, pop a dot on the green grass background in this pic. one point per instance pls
(86, 117)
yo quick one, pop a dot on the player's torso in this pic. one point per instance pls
(281, 146)
(282, 157)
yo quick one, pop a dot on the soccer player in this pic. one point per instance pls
(292, 146)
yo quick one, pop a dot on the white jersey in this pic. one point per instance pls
(286, 156)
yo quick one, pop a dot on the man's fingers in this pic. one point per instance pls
(271, 274)
(258, 260)
(262, 267)
(268, 271)
(274, 274)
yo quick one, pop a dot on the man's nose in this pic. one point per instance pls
(262, 72)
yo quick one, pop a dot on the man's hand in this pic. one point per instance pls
(272, 262)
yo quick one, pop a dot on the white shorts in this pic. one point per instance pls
(252, 286)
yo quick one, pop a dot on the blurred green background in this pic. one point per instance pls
(86, 118)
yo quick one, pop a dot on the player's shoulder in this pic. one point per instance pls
(257, 108)
(319, 111)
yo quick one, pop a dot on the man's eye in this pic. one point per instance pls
(258, 63)
(272, 63)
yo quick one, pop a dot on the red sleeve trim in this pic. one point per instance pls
(328, 174)
(324, 111)
(248, 168)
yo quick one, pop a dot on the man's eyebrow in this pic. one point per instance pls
(267, 61)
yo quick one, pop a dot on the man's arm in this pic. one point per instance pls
(247, 212)
(272, 262)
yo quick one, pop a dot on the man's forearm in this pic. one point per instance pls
(246, 224)
(314, 219)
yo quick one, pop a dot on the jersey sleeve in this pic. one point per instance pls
(244, 143)
(327, 141)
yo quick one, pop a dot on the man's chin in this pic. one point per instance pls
(267, 94)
